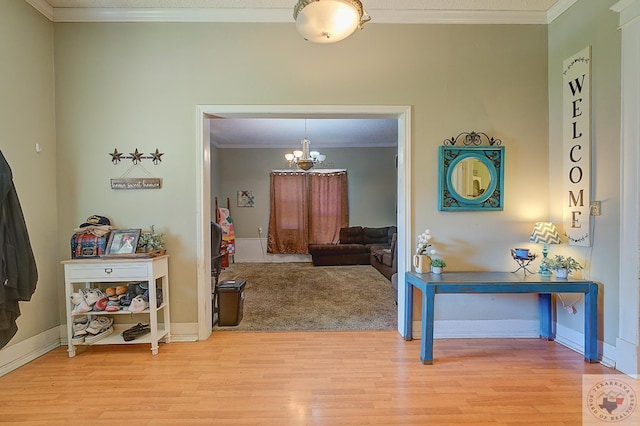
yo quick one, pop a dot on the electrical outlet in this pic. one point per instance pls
(594, 208)
(259, 230)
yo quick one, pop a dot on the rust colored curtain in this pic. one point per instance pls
(328, 206)
(288, 220)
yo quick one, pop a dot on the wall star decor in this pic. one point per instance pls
(136, 156)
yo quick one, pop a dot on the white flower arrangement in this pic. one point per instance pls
(424, 242)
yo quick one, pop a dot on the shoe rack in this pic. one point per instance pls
(102, 273)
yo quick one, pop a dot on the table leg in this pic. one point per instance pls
(591, 324)
(408, 312)
(546, 316)
(426, 345)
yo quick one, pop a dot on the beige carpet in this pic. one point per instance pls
(299, 296)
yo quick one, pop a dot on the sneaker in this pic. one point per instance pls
(112, 306)
(138, 304)
(80, 325)
(77, 297)
(100, 304)
(98, 324)
(89, 339)
(81, 308)
(93, 295)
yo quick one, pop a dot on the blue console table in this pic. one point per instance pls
(499, 282)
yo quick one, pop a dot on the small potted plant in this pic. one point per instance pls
(437, 265)
(151, 242)
(563, 266)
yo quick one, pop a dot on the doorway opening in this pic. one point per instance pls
(203, 183)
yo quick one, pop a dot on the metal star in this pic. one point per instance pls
(116, 156)
(136, 157)
(156, 156)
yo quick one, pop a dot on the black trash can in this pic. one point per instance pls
(230, 302)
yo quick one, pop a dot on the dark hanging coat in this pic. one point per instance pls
(18, 272)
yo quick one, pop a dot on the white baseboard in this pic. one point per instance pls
(627, 359)
(15, 356)
(574, 340)
(514, 329)
(254, 250)
(184, 332)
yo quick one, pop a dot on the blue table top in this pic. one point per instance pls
(486, 276)
(499, 281)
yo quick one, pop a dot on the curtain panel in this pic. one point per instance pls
(306, 208)
(288, 220)
(328, 206)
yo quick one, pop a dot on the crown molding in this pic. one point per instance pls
(629, 11)
(43, 7)
(280, 15)
(558, 9)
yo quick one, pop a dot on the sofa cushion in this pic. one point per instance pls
(392, 230)
(337, 249)
(376, 235)
(384, 256)
(351, 235)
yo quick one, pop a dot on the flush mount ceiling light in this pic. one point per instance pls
(328, 21)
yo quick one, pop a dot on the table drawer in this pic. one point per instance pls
(108, 271)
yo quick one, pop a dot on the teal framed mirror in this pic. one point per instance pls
(470, 174)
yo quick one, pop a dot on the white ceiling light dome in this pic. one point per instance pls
(328, 21)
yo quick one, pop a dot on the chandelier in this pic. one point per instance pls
(305, 159)
(328, 21)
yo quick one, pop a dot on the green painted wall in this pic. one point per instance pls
(136, 85)
(26, 119)
(371, 176)
(590, 23)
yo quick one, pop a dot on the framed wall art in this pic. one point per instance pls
(246, 199)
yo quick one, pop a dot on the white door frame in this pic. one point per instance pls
(203, 183)
(628, 340)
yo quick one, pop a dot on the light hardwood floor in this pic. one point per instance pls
(302, 378)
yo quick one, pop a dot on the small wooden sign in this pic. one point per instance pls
(136, 183)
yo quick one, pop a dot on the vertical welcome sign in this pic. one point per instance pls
(576, 110)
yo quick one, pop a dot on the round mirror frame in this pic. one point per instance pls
(491, 199)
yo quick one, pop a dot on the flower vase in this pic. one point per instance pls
(436, 269)
(421, 263)
(561, 274)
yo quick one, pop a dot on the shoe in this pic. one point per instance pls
(80, 325)
(100, 304)
(89, 339)
(93, 295)
(77, 297)
(145, 296)
(135, 331)
(98, 324)
(138, 305)
(81, 308)
(112, 306)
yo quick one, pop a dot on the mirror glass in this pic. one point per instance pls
(471, 178)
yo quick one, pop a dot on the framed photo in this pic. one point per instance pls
(123, 241)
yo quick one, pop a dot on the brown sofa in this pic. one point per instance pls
(360, 246)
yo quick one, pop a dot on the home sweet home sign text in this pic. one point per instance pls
(576, 109)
